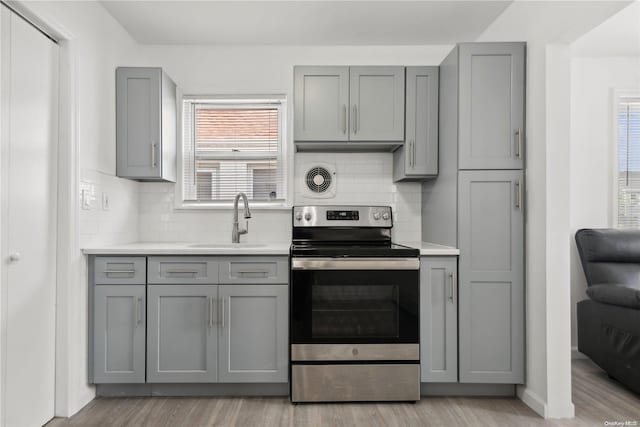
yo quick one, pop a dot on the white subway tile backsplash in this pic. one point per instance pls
(362, 178)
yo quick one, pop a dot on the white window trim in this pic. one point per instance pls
(285, 152)
(616, 96)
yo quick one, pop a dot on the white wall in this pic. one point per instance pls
(593, 83)
(93, 45)
(269, 70)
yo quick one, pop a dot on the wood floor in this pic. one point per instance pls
(597, 399)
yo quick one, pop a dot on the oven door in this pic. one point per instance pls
(354, 300)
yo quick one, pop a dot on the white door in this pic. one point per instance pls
(29, 192)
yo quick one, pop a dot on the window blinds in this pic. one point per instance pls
(628, 127)
(232, 146)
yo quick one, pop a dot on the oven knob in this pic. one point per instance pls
(385, 216)
(298, 216)
(307, 216)
(376, 215)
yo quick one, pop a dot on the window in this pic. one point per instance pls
(628, 179)
(233, 145)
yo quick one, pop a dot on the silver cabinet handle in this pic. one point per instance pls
(451, 286)
(253, 272)
(210, 312)
(344, 118)
(106, 272)
(181, 272)
(15, 257)
(223, 303)
(454, 288)
(413, 153)
(153, 155)
(354, 119)
(519, 143)
(138, 310)
(518, 194)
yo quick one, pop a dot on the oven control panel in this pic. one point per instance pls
(337, 216)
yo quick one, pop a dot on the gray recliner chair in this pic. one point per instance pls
(609, 322)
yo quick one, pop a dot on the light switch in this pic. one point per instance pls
(86, 200)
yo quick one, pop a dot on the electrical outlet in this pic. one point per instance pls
(105, 202)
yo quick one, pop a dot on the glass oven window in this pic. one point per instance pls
(359, 311)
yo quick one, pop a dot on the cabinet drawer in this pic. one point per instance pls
(255, 270)
(183, 270)
(120, 270)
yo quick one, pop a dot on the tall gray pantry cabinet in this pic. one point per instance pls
(477, 204)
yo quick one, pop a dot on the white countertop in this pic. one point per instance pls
(279, 248)
(432, 249)
(172, 248)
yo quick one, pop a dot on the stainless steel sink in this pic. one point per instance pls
(227, 245)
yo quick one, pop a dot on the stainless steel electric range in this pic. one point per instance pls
(354, 307)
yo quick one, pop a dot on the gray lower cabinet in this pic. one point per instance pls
(491, 285)
(253, 333)
(438, 319)
(145, 124)
(491, 105)
(182, 334)
(119, 334)
(417, 159)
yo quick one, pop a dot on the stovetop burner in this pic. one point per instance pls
(353, 250)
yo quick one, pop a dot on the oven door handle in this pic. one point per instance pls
(355, 263)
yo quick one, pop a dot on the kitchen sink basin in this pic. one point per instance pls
(227, 245)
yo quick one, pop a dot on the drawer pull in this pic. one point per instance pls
(253, 272)
(119, 272)
(181, 272)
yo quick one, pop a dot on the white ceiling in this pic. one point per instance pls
(268, 22)
(617, 36)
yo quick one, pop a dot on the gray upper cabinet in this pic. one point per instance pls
(182, 333)
(438, 319)
(491, 242)
(377, 103)
(417, 159)
(119, 334)
(348, 108)
(321, 102)
(491, 114)
(253, 333)
(145, 124)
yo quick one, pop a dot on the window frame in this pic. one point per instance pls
(616, 98)
(284, 151)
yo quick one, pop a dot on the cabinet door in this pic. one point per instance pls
(119, 332)
(182, 335)
(321, 102)
(138, 122)
(418, 158)
(253, 337)
(491, 112)
(377, 103)
(491, 241)
(438, 319)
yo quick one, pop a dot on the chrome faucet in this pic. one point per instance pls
(237, 231)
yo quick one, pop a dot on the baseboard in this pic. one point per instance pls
(192, 389)
(575, 354)
(533, 401)
(465, 389)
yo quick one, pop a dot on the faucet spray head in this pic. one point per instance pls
(247, 212)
